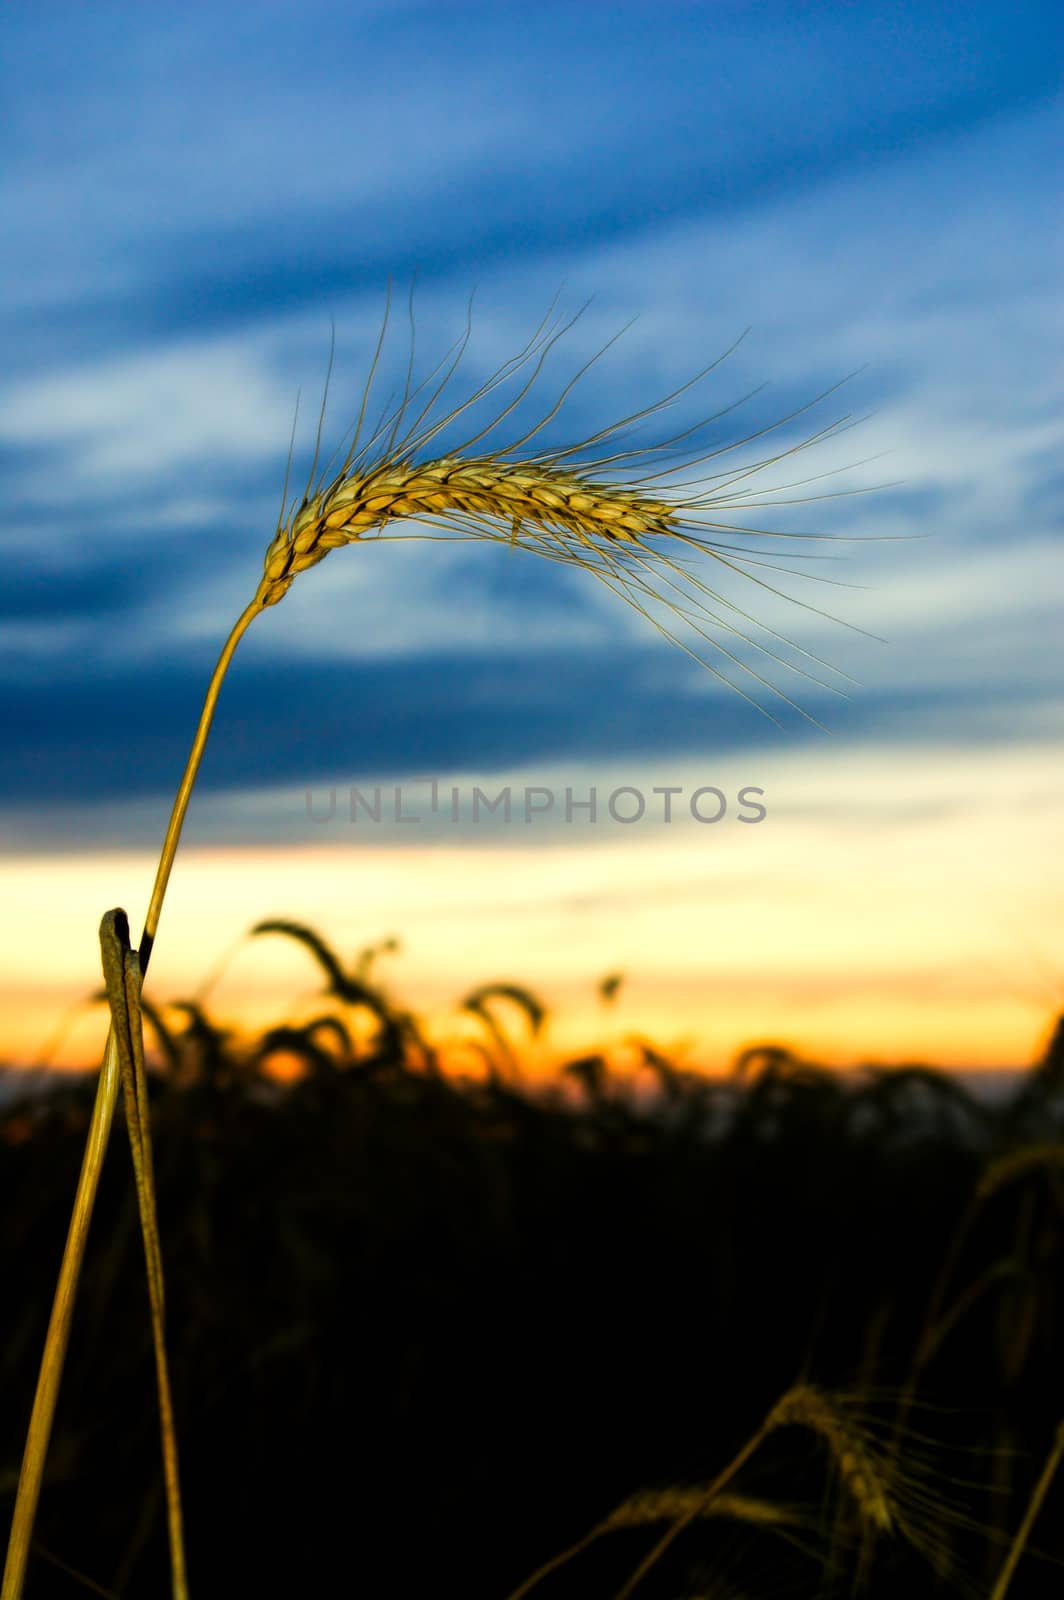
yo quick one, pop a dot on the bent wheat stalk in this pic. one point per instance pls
(636, 530)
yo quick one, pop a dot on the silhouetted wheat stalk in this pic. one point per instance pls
(636, 531)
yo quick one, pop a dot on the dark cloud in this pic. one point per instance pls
(173, 174)
(86, 737)
(628, 124)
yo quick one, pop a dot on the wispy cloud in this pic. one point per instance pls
(876, 190)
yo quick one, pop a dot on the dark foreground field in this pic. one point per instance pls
(426, 1334)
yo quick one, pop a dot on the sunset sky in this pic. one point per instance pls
(194, 199)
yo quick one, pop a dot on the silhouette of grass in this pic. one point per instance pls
(427, 1328)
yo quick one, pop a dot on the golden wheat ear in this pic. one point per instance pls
(617, 514)
(861, 1469)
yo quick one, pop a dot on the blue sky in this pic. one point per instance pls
(192, 198)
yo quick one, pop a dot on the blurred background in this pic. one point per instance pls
(194, 199)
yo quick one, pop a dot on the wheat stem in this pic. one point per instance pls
(55, 1345)
(696, 1509)
(184, 793)
(559, 1560)
(27, 1495)
(123, 978)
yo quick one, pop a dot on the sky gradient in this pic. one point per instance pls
(194, 201)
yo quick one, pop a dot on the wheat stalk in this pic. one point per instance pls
(550, 501)
(122, 976)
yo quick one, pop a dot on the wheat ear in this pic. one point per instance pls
(535, 496)
(807, 1407)
(802, 1406)
(678, 1502)
(666, 1505)
(549, 501)
(857, 1467)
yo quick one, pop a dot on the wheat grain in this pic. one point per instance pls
(666, 1505)
(552, 499)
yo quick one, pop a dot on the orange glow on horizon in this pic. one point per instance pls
(851, 931)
